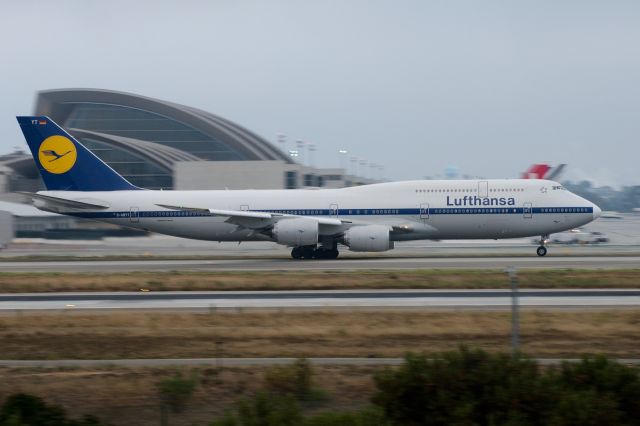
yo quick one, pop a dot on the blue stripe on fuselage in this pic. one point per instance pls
(349, 212)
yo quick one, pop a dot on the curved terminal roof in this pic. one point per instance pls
(142, 138)
(161, 154)
(20, 162)
(65, 106)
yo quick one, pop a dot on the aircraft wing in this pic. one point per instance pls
(255, 220)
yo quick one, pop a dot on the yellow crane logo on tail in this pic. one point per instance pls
(57, 154)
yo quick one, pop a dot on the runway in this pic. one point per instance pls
(325, 299)
(346, 264)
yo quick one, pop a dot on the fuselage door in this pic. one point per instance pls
(333, 210)
(424, 211)
(527, 210)
(134, 215)
(483, 189)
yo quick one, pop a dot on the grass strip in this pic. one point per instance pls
(377, 333)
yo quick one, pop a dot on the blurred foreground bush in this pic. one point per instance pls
(263, 410)
(28, 410)
(175, 392)
(463, 387)
(294, 380)
(475, 387)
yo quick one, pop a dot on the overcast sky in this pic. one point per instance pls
(488, 87)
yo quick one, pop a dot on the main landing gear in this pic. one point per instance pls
(542, 250)
(312, 252)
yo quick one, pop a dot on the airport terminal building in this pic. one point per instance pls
(157, 144)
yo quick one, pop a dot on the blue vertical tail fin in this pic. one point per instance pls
(64, 163)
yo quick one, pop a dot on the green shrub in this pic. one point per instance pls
(368, 417)
(294, 380)
(596, 391)
(463, 387)
(475, 387)
(175, 392)
(263, 410)
(29, 410)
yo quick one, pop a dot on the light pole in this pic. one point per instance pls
(342, 153)
(364, 163)
(282, 142)
(354, 165)
(219, 344)
(372, 169)
(300, 148)
(312, 148)
(515, 311)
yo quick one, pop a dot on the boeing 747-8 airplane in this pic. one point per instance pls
(312, 222)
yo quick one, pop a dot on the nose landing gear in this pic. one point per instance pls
(542, 250)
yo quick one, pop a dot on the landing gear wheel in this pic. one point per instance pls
(332, 254)
(308, 252)
(323, 253)
(296, 253)
(541, 251)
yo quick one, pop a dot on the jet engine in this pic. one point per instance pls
(296, 232)
(368, 238)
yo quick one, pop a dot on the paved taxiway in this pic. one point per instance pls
(314, 299)
(347, 264)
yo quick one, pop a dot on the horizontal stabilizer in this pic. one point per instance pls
(66, 203)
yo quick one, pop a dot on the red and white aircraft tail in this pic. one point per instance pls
(543, 171)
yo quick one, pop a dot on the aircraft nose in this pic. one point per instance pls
(596, 212)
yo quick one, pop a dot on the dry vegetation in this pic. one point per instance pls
(128, 396)
(433, 278)
(381, 333)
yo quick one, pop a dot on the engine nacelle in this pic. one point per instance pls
(368, 238)
(296, 232)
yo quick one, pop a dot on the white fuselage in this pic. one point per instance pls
(427, 209)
